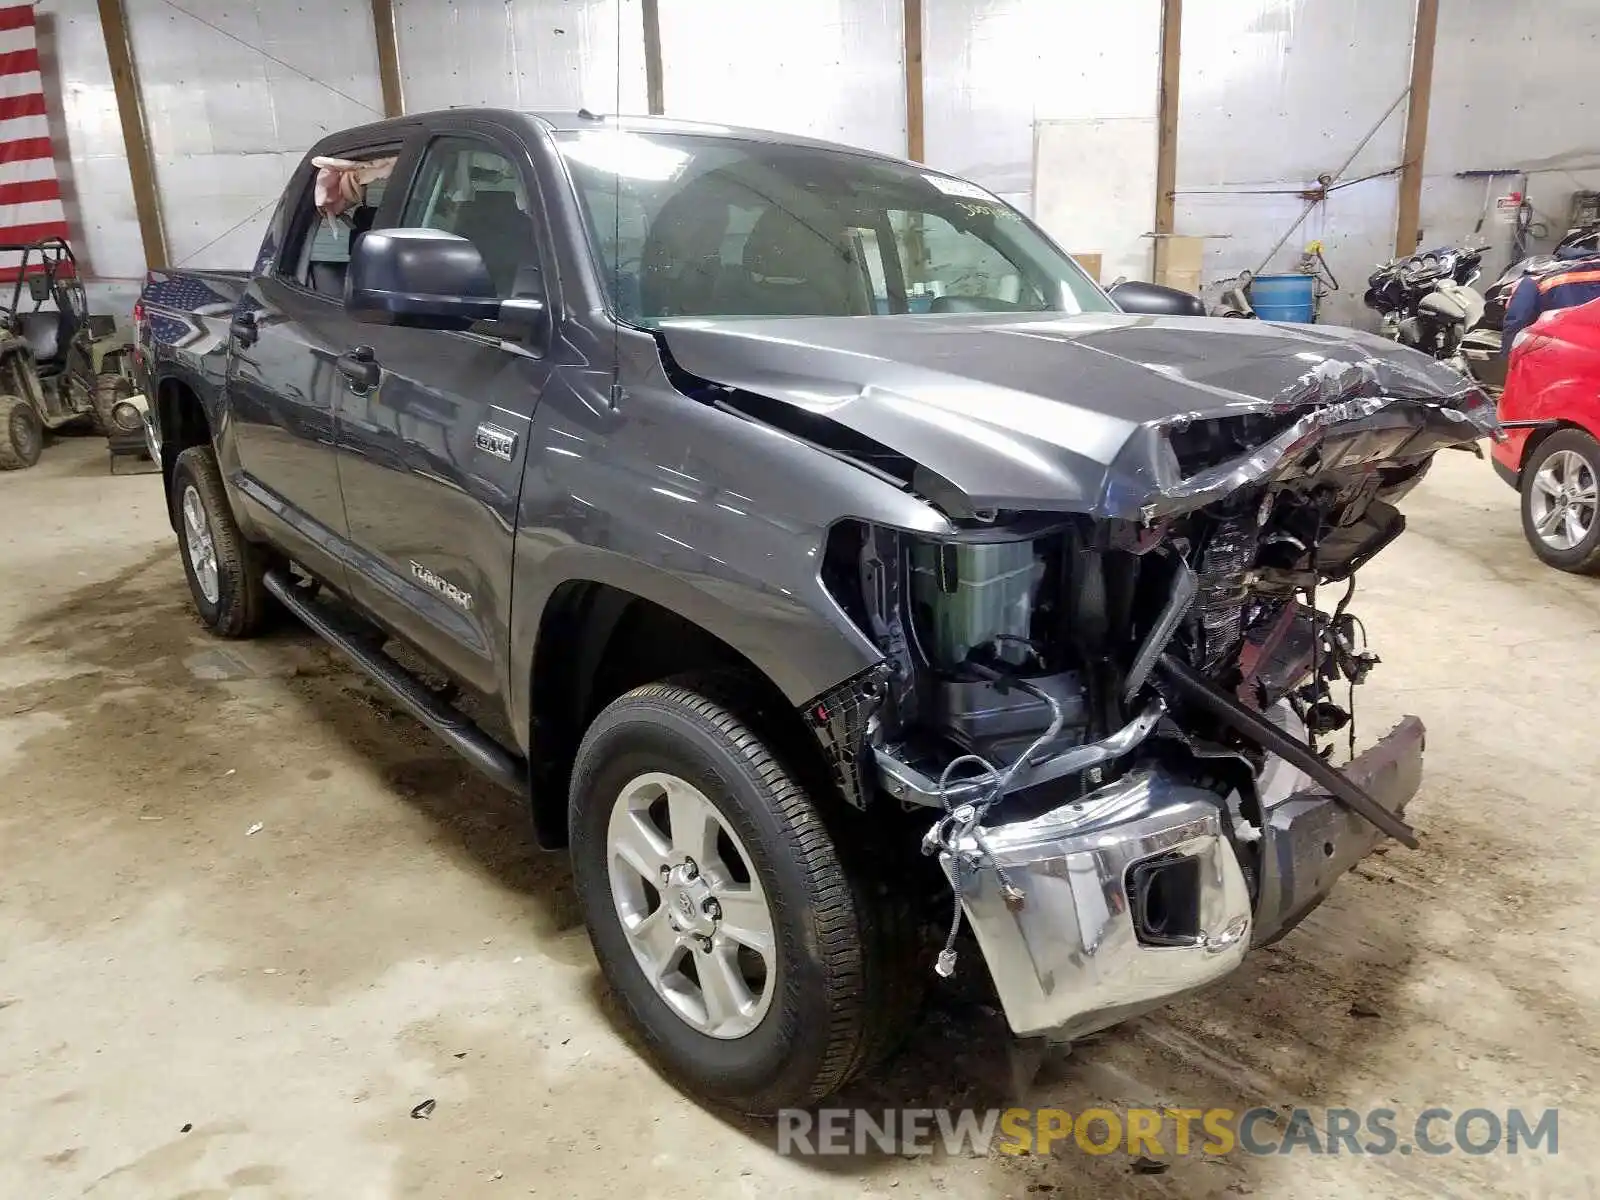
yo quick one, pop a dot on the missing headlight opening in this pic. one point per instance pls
(1051, 676)
(984, 631)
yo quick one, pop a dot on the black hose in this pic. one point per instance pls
(1270, 738)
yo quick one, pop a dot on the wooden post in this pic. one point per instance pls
(1408, 230)
(141, 168)
(913, 50)
(394, 100)
(1167, 115)
(1167, 132)
(655, 91)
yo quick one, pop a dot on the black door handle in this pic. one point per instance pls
(243, 329)
(360, 366)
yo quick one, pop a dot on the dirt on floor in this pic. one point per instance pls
(251, 916)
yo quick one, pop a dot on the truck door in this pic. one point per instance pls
(285, 339)
(431, 457)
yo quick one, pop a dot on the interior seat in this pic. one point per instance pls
(502, 232)
(48, 334)
(327, 278)
(793, 268)
(681, 268)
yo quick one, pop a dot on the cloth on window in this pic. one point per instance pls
(342, 182)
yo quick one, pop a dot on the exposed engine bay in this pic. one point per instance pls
(1026, 625)
(1119, 672)
(1063, 680)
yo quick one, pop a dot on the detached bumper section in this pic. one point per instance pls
(1309, 839)
(1135, 894)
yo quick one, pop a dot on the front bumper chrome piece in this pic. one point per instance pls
(1075, 954)
(1069, 960)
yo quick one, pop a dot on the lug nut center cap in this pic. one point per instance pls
(689, 904)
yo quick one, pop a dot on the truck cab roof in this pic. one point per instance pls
(578, 120)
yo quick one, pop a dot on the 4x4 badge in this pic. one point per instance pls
(501, 443)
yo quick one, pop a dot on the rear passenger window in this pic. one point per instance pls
(320, 245)
(328, 256)
(467, 187)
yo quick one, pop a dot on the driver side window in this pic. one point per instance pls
(467, 187)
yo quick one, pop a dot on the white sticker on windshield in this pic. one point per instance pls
(960, 187)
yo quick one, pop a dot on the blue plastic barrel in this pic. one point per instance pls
(1283, 297)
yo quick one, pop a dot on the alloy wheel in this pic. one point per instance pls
(1564, 500)
(201, 545)
(687, 896)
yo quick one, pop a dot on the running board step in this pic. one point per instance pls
(448, 722)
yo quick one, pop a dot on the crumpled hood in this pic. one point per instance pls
(1065, 413)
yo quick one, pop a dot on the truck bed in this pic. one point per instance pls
(187, 313)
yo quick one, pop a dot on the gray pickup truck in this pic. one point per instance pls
(840, 565)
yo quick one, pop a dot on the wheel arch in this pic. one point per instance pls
(1540, 434)
(182, 419)
(597, 640)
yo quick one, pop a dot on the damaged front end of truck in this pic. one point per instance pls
(1121, 714)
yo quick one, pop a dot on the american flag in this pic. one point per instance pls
(172, 302)
(30, 193)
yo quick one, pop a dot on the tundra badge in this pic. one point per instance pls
(442, 586)
(501, 443)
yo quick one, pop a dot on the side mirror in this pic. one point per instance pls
(423, 278)
(1153, 299)
(523, 317)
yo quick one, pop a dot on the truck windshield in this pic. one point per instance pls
(691, 225)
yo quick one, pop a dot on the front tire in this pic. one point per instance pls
(1561, 503)
(21, 434)
(747, 959)
(224, 570)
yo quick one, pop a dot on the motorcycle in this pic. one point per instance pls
(1427, 302)
(1482, 346)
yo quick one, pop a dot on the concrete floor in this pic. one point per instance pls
(389, 935)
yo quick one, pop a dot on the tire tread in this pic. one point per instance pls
(244, 605)
(850, 933)
(109, 387)
(10, 458)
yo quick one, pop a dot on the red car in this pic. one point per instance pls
(1551, 407)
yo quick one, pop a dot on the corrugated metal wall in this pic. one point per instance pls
(1513, 87)
(832, 69)
(233, 95)
(87, 134)
(527, 54)
(1274, 93)
(991, 68)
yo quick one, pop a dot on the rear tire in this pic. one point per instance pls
(224, 570)
(21, 434)
(1560, 511)
(108, 389)
(823, 1004)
